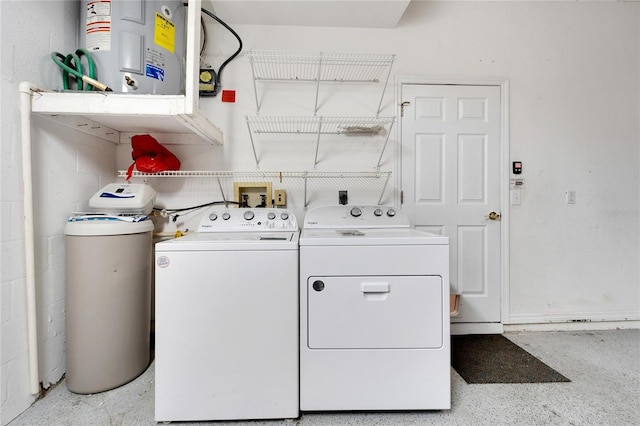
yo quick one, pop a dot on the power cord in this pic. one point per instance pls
(217, 86)
(71, 66)
(216, 75)
(174, 214)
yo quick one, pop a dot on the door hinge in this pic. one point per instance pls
(401, 197)
(402, 105)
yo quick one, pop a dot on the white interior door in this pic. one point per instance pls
(451, 184)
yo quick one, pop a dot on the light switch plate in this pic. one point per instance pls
(571, 197)
(516, 197)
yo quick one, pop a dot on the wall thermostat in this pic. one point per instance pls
(517, 167)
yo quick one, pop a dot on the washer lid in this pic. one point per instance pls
(369, 237)
(232, 241)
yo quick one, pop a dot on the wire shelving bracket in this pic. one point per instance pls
(317, 127)
(320, 67)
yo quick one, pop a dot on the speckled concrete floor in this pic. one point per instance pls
(604, 368)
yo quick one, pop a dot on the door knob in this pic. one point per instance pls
(493, 216)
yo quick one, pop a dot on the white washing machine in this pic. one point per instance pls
(227, 319)
(374, 312)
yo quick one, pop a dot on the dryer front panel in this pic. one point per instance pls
(374, 312)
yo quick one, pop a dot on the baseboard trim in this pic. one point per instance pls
(499, 328)
(459, 328)
(573, 317)
(574, 326)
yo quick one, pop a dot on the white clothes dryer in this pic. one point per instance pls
(374, 312)
(227, 318)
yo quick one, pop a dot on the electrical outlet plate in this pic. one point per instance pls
(254, 192)
(570, 197)
(516, 197)
(280, 197)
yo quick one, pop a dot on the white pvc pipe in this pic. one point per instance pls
(29, 238)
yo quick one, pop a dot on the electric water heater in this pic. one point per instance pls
(138, 45)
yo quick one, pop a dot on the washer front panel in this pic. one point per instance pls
(226, 335)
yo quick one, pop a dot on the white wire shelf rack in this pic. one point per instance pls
(320, 67)
(313, 129)
(358, 178)
(258, 174)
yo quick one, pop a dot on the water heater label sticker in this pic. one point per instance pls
(154, 72)
(165, 33)
(154, 57)
(98, 26)
(154, 64)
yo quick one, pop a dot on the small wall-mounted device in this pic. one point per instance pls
(343, 197)
(207, 83)
(517, 167)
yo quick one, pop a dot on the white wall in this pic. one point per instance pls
(67, 170)
(574, 71)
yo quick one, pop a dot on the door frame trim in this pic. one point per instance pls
(503, 83)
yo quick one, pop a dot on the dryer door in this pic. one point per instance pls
(374, 312)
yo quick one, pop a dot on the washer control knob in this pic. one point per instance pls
(377, 212)
(284, 216)
(391, 212)
(226, 216)
(271, 215)
(356, 212)
(248, 215)
(318, 285)
(213, 217)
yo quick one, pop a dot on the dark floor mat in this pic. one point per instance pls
(492, 358)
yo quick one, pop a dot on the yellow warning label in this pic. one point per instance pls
(165, 33)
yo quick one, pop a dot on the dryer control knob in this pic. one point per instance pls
(271, 215)
(226, 216)
(391, 212)
(248, 215)
(284, 216)
(377, 212)
(356, 212)
(213, 217)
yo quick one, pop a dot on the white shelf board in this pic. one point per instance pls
(105, 113)
(129, 113)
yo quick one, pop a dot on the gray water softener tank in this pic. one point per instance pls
(138, 45)
(108, 303)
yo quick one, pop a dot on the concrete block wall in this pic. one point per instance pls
(67, 171)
